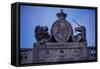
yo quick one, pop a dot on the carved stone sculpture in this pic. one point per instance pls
(81, 36)
(61, 29)
(41, 32)
(61, 44)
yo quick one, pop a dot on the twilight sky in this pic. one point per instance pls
(31, 16)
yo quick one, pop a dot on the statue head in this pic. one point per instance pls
(80, 29)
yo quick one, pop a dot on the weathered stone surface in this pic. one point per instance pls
(52, 52)
(66, 47)
(60, 45)
(62, 31)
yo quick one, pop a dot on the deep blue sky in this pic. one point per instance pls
(31, 16)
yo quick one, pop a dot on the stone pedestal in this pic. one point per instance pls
(53, 52)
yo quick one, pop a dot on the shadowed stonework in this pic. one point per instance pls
(60, 45)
